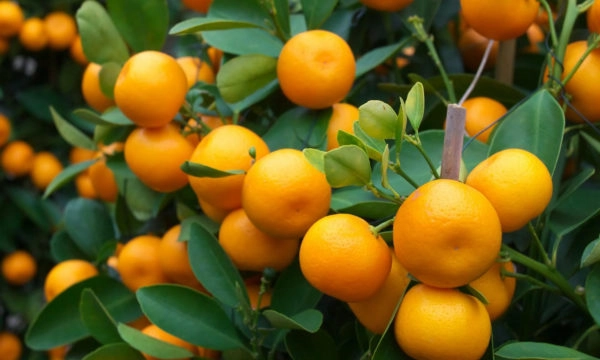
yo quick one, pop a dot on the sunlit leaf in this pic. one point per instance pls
(241, 76)
(200, 170)
(316, 158)
(347, 165)
(70, 133)
(147, 29)
(537, 350)
(150, 345)
(415, 105)
(197, 24)
(378, 119)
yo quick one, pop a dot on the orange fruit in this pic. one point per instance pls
(316, 69)
(253, 290)
(212, 212)
(434, 323)
(139, 262)
(65, 274)
(11, 19)
(194, 131)
(174, 260)
(482, 113)
(61, 29)
(343, 117)
(76, 51)
(103, 180)
(472, 45)
(342, 257)
(44, 169)
(225, 148)
(446, 233)
(18, 267)
(5, 129)
(215, 55)
(208, 353)
(500, 20)
(196, 70)
(535, 38)
(4, 45)
(284, 194)
(17, 158)
(90, 88)
(79, 154)
(386, 5)
(158, 333)
(200, 6)
(140, 89)
(593, 17)
(155, 156)
(516, 182)
(58, 353)
(497, 288)
(33, 34)
(84, 186)
(375, 312)
(251, 249)
(10, 344)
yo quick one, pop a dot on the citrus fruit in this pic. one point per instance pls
(195, 131)
(283, 194)
(196, 70)
(472, 45)
(497, 288)
(11, 19)
(44, 169)
(79, 154)
(215, 55)
(253, 291)
(251, 249)
(386, 5)
(226, 148)
(84, 186)
(17, 158)
(212, 212)
(516, 182)
(5, 129)
(10, 345)
(158, 333)
(500, 20)
(90, 88)
(33, 34)
(61, 30)
(482, 113)
(65, 274)
(4, 45)
(434, 323)
(593, 17)
(375, 312)
(200, 6)
(139, 262)
(174, 260)
(342, 117)
(18, 267)
(140, 89)
(155, 156)
(316, 69)
(76, 52)
(208, 353)
(58, 353)
(103, 180)
(446, 233)
(342, 257)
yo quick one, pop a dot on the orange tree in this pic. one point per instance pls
(406, 75)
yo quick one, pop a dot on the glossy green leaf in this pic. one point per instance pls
(108, 78)
(96, 318)
(59, 322)
(316, 158)
(243, 75)
(374, 147)
(147, 29)
(96, 27)
(199, 170)
(66, 176)
(254, 97)
(415, 105)
(191, 315)
(574, 183)
(377, 56)
(41, 212)
(119, 351)
(591, 253)
(592, 293)
(537, 125)
(309, 320)
(70, 133)
(292, 293)
(89, 224)
(144, 202)
(537, 350)
(198, 24)
(347, 165)
(300, 345)
(317, 11)
(281, 16)
(299, 128)
(214, 268)
(62, 247)
(378, 119)
(358, 201)
(582, 205)
(150, 345)
(114, 116)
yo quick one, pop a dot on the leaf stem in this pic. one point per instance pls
(585, 334)
(538, 244)
(377, 229)
(416, 142)
(398, 170)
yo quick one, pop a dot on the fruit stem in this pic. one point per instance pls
(473, 83)
(453, 142)
(377, 229)
(538, 244)
(506, 61)
(398, 170)
(416, 142)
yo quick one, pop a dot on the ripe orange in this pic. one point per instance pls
(17, 158)
(33, 34)
(194, 132)
(516, 182)
(283, 194)
(251, 249)
(386, 5)
(44, 169)
(11, 19)
(10, 345)
(79, 154)
(446, 234)
(500, 20)
(214, 213)
(200, 6)
(4, 45)
(497, 288)
(155, 156)
(535, 38)
(61, 29)
(103, 180)
(343, 258)
(375, 312)
(215, 55)
(253, 290)
(84, 186)
(139, 262)
(5, 129)
(196, 70)
(90, 88)
(18, 267)
(158, 333)
(65, 274)
(342, 118)
(226, 148)
(481, 113)
(76, 52)
(205, 353)
(58, 353)
(141, 88)
(434, 323)
(174, 260)
(316, 69)
(472, 45)
(593, 17)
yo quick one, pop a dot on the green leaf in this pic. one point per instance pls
(214, 269)
(347, 165)
(96, 27)
(281, 16)
(143, 202)
(89, 224)
(358, 201)
(301, 345)
(243, 75)
(190, 315)
(377, 56)
(66, 175)
(573, 211)
(299, 128)
(199, 170)
(198, 24)
(39, 211)
(374, 147)
(108, 78)
(96, 318)
(309, 320)
(592, 293)
(292, 293)
(62, 247)
(255, 97)
(317, 11)
(537, 125)
(591, 253)
(119, 351)
(150, 345)
(536, 350)
(415, 105)
(316, 158)
(570, 186)
(59, 323)
(378, 119)
(147, 29)
(70, 133)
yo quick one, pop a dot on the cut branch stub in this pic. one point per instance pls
(453, 142)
